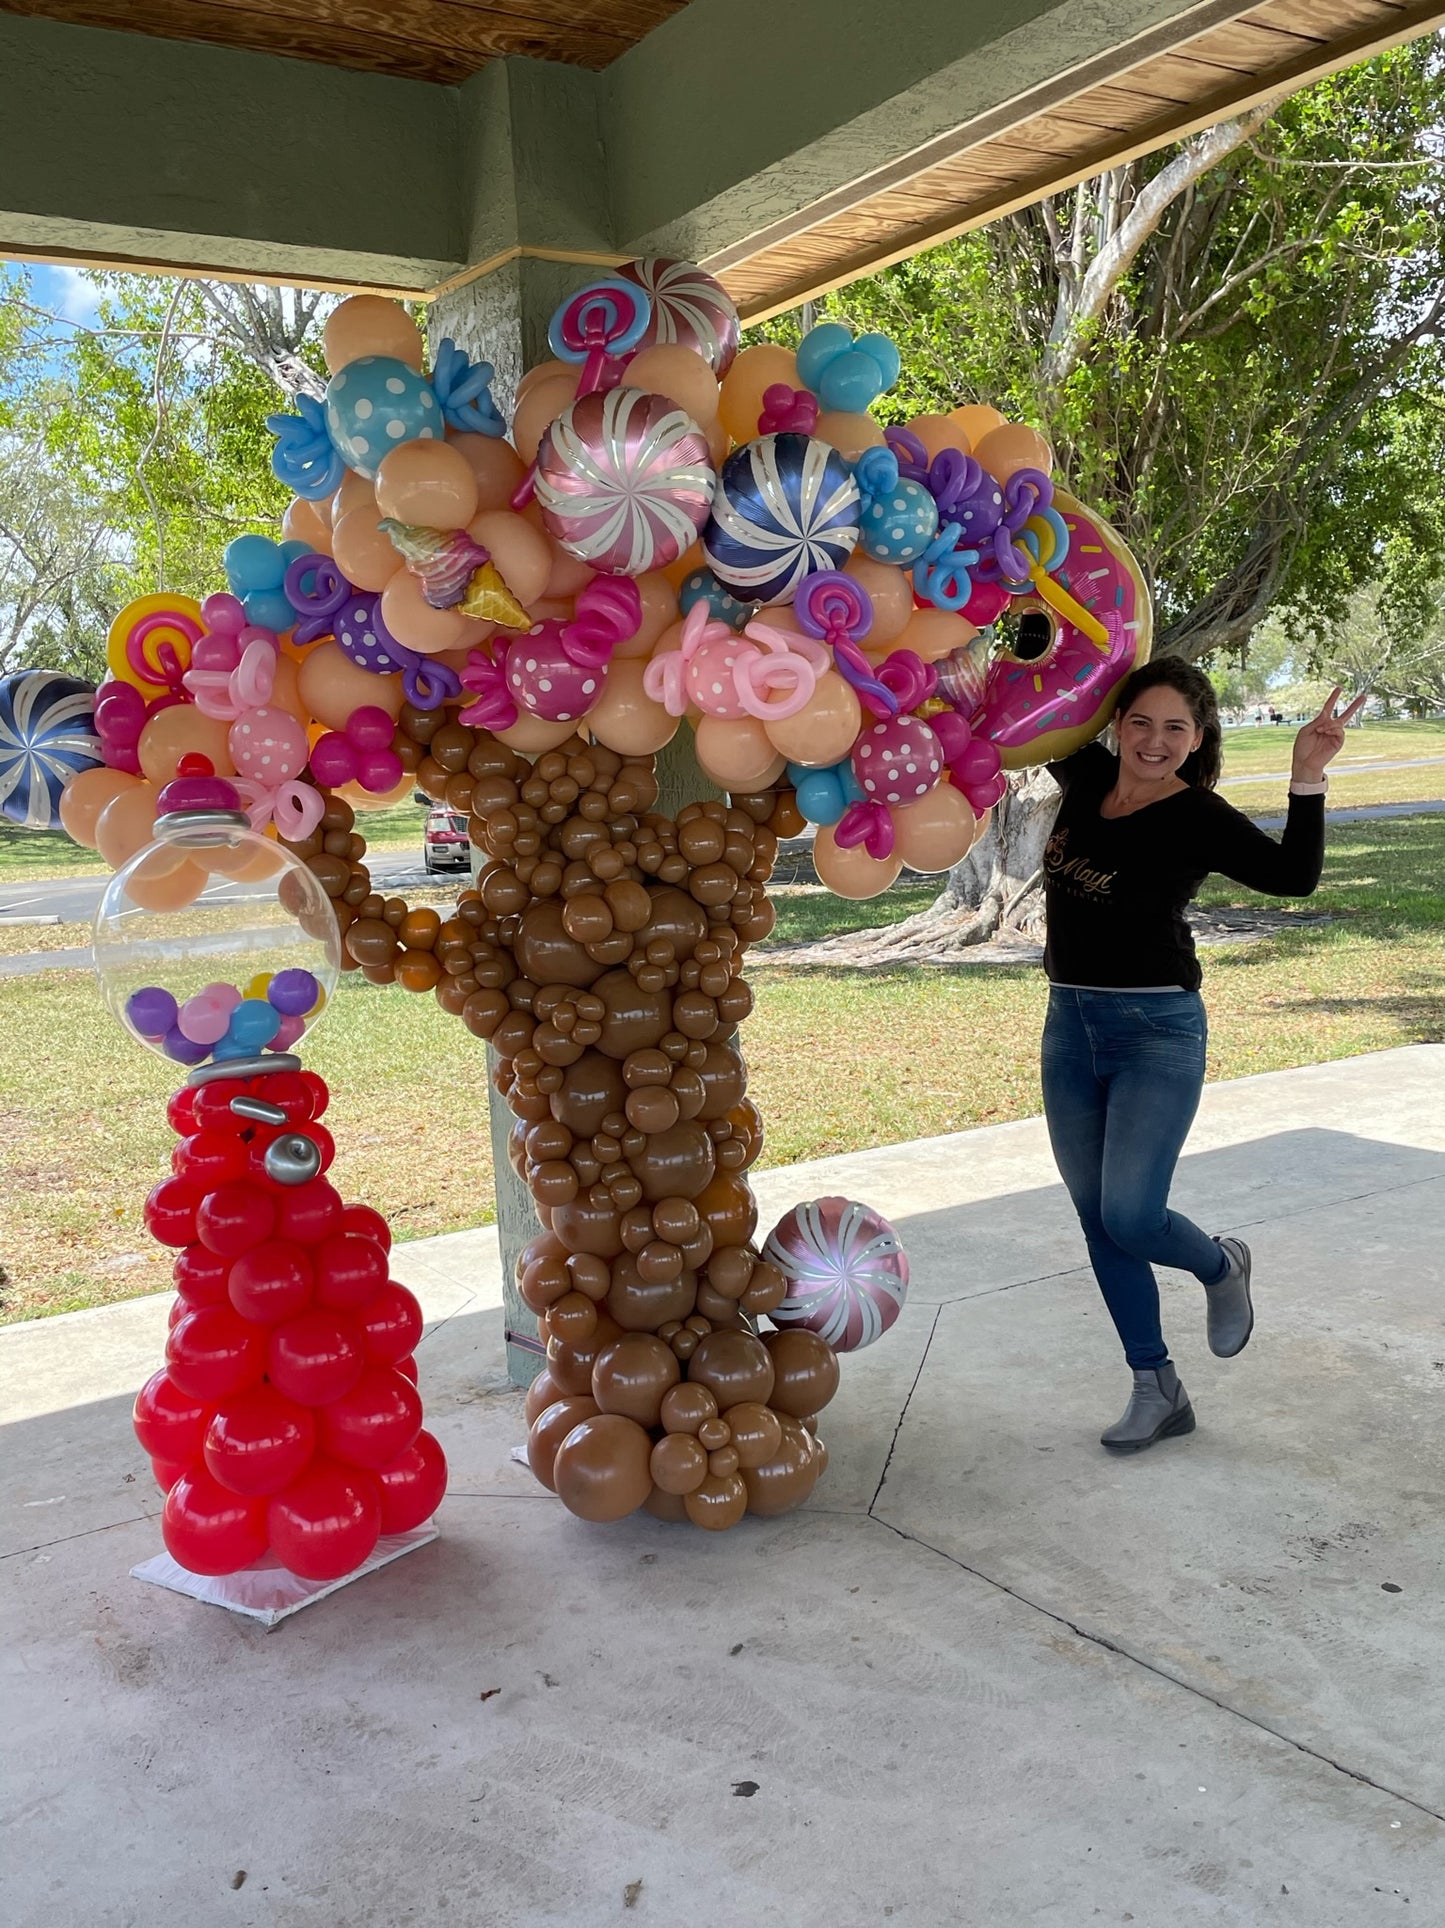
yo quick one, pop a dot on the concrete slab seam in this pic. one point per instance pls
(903, 1414)
(1161, 1673)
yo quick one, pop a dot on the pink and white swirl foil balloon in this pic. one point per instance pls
(847, 1273)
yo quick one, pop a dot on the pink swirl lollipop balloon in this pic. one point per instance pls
(625, 481)
(847, 1273)
(688, 307)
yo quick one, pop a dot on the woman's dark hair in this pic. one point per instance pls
(1202, 766)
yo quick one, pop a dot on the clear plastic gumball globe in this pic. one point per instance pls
(215, 942)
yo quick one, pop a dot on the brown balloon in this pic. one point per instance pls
(679, 1464)
(550, 1428)
(546, 954)
(642, 1305)
(677, 1163)
(603, 1471)
(728, 1206)
(675, 919)
(757, 1433)
(687, 1407)
(590, 1090)
(631, 1376)
(668, 1507)
(542, 1393)
(570, 1363)
(785, 1480)
(635, 1018)
(718, 1503)
(805, 1369)
(724, 1078)
(734, 1366)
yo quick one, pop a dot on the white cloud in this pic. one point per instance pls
(71, 295)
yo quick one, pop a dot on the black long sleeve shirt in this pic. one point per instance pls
(1116, 887)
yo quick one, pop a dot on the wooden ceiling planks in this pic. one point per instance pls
(438, 40)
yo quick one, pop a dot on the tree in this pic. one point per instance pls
(1234, 346)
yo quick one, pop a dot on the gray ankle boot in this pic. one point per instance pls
(1158, 1408)
(1231, 1310)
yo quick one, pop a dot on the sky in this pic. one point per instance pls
(64, 290)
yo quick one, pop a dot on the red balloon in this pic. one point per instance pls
(315, 1358)
(168, 1471)
(178, 1311)
(350, 1271)
(288, 1090)
(213, 1106)
(170, 1211)
(259, 1442)
(316, 1085)
(326, 1522)
(407, 1368)
(310, 1212)
(412, 1485)
(208, 1530)
(181, 1111)
(373, 1423)
(391, 1325)
(367, 1223)
(325, 1144)
(271, 1282)
(201, 1276)
(213, 1352)
(210, 1158)
(170, 1424)
(235, 1217)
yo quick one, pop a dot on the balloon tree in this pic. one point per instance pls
(865, 627)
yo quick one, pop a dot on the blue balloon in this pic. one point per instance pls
(824, 795)
(851, 384)
(47, 736)
(898, 523)
(253, 563)
(786, 507)
(883, 350)
(702, 586)
(303, 458)
(270, 609)
(294, 550)
(375, 404)
(819, 346)
(254, 1022)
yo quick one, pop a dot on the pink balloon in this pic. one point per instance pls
(378, 770)
(370, 728)
(847, 1273)
(333, 760)
(270, 746)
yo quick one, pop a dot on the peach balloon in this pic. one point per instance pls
(243, 864)
(286, 689)
(625, 718)
(932, 633)
(824, 730)
(548, 609)
(936, 432)
(370, 325)
(332, 686)
(176, 732)
(126, 823)
(412, 620)
(849, 434)
(659, 612)
(428, 482)
(542, 371)
(532, 736)
(568, 573)
(165, 886)
(309, 522)
(936, 832)
(521, 552)
(738, 754)
(539, 408)
(86, 795)
(890, 590)
(976, 419)
(851, 873)
(356, 491)
(719, 442)
(1004, 451)
(690, 560)
(365, 554)
(756, 368)
(360, 799)
(680, 374)
(495, 465)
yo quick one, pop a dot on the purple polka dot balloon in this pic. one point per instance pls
(362, 634)
(847, 1273)
(898, 761)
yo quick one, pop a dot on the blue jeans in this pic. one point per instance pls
(1122, 1078)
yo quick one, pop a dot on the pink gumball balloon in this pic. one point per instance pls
(898, 761)
(333, 761)
(370, 728)
(378, 770)
(847, 1273)
(710, 681)
(269, 745)
(544, 679)
(979, 763)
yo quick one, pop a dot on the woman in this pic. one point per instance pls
(1123, 1050)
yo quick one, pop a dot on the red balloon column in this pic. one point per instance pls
(286, 1419)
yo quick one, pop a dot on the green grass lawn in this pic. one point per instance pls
(839, 1061)
(1251, 750)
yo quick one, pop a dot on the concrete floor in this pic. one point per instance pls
(990, 1677)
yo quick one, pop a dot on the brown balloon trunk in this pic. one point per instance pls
(600, 953)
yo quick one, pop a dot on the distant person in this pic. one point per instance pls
(1124, 1041)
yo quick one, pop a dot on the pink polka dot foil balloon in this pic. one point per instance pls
(847, 1273)
(625, 481)
(898, 760)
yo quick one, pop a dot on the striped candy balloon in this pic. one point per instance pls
(625, 481)
(47, 736)
(688, 307)
(847, 1273)
(787, 506)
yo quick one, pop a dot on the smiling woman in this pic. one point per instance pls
(1125, 1037)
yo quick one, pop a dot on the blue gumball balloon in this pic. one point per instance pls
(702, 586)
(824, 795)
(375, 404)
(47, 736)
(786, 507)
(254, 1022)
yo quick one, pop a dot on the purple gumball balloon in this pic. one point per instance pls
(847, 1273)
(625, 481)
(358, 628)
(898, 761)
(545, 681)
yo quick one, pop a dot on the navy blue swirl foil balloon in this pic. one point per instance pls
(786, 507)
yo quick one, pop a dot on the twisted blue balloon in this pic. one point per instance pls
(463, 389)
(941, 574)
(304, 457)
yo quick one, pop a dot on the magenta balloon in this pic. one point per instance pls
(625, 481)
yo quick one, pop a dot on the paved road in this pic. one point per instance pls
(73, 900)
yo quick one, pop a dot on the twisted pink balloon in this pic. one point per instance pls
(869, 824)
(494, 708)
(296, 808)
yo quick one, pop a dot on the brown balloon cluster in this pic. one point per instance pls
(600, 954)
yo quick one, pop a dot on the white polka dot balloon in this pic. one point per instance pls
(373, 405)
(898, 761)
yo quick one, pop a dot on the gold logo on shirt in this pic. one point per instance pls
(1074, 873)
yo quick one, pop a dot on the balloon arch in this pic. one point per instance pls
(865, 627)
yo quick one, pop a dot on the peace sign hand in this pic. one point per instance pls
(1322, 739)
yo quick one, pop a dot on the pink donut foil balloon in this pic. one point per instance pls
(847, 1273)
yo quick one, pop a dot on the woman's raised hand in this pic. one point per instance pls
(1322, 739)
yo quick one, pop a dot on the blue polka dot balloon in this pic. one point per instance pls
(702, 586)
(898, 525)
(373, 405)
(786, 507)
(47, 736)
